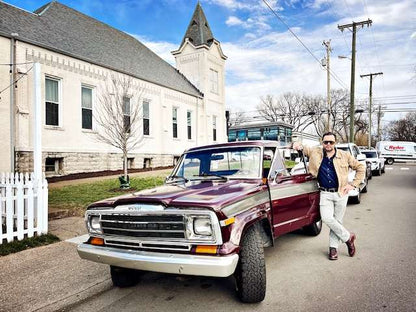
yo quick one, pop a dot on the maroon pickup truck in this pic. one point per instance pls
(221, 205)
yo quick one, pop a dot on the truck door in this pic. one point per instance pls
(293, 197)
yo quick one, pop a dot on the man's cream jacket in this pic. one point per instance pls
(342, 161)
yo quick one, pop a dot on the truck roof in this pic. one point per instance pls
(264, 143)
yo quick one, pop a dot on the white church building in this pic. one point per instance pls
(182, 107)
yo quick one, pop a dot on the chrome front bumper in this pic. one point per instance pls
(218, 266)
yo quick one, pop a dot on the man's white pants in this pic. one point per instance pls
(332, 207)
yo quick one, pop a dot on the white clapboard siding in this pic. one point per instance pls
(23, 206)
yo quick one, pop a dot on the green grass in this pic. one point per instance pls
(16, 246)
(78, 197)
(290, 164)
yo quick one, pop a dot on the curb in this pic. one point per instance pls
(59, 214)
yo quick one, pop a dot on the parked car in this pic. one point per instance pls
(213, 219)
(355, 195)
(377, 163)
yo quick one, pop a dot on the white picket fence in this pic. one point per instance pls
(23, 206)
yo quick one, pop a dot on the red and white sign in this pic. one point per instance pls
(394, 148)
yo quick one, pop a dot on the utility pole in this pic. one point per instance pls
(378, 123)
(327, 45)
(370, 103)
(354, 31)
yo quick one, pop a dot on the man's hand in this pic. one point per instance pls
(297, 146)
(347, 188)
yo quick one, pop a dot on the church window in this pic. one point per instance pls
(213, 75)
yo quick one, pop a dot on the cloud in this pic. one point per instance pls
(233, 21)
(267, 60)
(162, 48)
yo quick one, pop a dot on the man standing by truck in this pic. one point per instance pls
(331, 166)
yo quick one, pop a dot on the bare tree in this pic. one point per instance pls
(307, 111)
(119, 115)
(340, 116)
(236, 118)
(300, 111)
(403, 129)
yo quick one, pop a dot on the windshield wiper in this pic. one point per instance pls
(174, 178)
(212, 175)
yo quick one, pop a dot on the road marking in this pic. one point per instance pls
(389, 168)
(404, 168)
(78, 239)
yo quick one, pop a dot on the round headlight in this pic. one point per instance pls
(202, 226)
(95, 223)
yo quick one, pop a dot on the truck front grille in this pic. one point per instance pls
(161, 230)
(146, 226)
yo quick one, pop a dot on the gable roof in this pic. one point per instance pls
(59, 28)
(198, 32)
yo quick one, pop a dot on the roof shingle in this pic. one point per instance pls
(65, 30)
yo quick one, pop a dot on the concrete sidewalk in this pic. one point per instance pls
(49, 278)
(54, 277)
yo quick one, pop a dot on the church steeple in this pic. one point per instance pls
(198, 32)
(201, 60)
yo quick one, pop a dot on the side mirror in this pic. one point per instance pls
(361, 157)
(278, 174)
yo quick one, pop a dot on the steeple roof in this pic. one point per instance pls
(198, 31)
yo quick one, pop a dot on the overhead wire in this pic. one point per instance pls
(11, 64)
(302, 43)
(15, 81)
(376, 47)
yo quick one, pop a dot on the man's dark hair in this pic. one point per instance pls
(329, 133)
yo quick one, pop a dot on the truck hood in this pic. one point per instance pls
(212, 194)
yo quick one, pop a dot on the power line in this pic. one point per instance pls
(301, 42)
(14, 82)
(11, 64)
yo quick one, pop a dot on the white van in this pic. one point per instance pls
(396, 150)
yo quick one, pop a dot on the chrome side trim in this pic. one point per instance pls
(293, 190)
(246, 203)
(217, 266)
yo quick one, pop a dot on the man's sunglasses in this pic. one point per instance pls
(328, 142)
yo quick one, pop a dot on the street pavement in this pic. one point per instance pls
(299, 277)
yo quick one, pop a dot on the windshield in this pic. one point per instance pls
(220, 163)
(370, 154)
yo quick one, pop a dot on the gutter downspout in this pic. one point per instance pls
(196, 119)
(12, 99)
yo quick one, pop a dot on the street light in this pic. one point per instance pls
(341, 57)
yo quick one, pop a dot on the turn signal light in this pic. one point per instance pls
(97, 241)
(207, 249)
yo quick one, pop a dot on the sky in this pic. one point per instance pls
(273, 55)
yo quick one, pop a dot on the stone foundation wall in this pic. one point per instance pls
(69, 163)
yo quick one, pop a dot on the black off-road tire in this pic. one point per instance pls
(365, 188)
(123, 277)
(356, 199)
(250, 274)
(377, 172)
(313, 229)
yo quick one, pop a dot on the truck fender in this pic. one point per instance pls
(244, 221)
